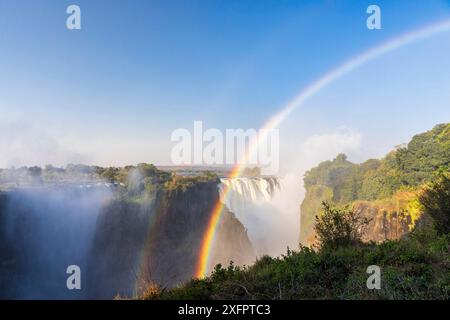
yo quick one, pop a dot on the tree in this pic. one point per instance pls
(339, 226)
(436, 203)
(35, 174)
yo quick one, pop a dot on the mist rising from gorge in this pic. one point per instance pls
(44, 230)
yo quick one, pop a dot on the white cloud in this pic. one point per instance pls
(302, 150)
(23, 144)
(326, 146)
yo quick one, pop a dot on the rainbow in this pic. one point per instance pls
(298, 100)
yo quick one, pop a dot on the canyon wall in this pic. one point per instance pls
(158, 240)
(123, 239)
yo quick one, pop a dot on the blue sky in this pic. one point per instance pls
(112, 92)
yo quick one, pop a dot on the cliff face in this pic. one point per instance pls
(232, 242)
(118, 242)
(158, 240)
(389, 219)
(7, 258)
(310, 207)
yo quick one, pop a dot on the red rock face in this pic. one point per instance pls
(384, 225)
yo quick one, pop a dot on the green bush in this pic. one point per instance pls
(338, 226)
(436, 203)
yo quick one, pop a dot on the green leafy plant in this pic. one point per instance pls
(436, 203)
(339, 226)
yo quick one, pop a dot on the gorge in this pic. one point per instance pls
(123, 236)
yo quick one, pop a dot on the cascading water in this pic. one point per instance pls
(248, 190)
(258, 203)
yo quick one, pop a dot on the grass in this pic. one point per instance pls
(413, 268)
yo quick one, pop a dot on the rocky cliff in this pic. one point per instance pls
(157, 240)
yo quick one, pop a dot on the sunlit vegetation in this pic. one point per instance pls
(181, 183)
(337, 227)
(435, 201)
(133, 181)
(393, 183)
(406, 167)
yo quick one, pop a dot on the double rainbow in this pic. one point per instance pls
(297, 101)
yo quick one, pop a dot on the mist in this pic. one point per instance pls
(274, 225)
(45, 230)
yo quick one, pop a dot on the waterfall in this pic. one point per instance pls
(244, 191)
(251, 200)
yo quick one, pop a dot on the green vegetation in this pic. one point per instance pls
(436, 203)
(180, 183)
(409, 166)
(336, 227)
(416, 267)
(391, 184)
(134, 183)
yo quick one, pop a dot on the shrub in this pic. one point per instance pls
(339, 226)
(436, 203)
